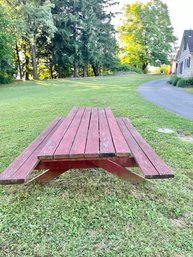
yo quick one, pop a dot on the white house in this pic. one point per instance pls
(184, 59)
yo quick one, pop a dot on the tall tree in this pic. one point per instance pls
(35, 16)
(84, 34)
(7, 40)
(146, 33)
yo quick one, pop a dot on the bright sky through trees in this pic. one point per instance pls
(180, 14)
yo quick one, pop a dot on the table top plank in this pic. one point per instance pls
(92, 145)
(121, 146)
(63, 150)
(106, 142)
(79, 144)
(52, 144)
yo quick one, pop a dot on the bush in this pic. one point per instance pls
(125, 68)
(185, 82)
(164, 69)
(5, 78)
(174, 80)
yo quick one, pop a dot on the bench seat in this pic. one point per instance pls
(17, 172)
(149, 162)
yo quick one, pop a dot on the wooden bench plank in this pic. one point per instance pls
(63, 150)
(79, 144)
(20, 168)
(160, 166)
(92, 145)
(120, 144)
(48, 150)
(106, 142)
(146, 166)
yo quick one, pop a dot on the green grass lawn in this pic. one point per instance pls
(91, 212)
(190, 90)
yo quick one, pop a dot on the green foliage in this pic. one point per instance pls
(84, 35)
(5, 78)
(64, 35)
(174, 80)
(146, 33)
(6, 47)
(182, 82)
(126, 67)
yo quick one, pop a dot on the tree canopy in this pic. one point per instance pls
(58, 38)
(7, 38)
(146, 33)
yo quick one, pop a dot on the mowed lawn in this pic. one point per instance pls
(91, 212)
(190, 90)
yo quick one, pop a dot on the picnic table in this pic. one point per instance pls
(87, 137)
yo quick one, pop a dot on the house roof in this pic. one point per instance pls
(188, 39)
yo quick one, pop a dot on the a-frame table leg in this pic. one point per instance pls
(119, 171)
(48, 175)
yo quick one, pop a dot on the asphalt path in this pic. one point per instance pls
(169, 97)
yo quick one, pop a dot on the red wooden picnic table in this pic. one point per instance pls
(87, 137)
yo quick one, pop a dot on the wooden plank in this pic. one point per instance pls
(50, 147)
(79, 144)
(61, 165)
(120, 144)
(92, 145)
(33, 160)
(9, 175)
(160, 166)
(106, 142)
(46, 176)
(146, 166)
(119, 171)
(63, 150)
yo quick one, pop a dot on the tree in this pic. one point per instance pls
(146, 33)
(7, 40)
(84, 35)
(35, 17)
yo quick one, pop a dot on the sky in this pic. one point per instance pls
(180, 12)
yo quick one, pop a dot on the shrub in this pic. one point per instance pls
(5, 78)
(185, 82)
(164, 69)
(125, 68)
(174, 80)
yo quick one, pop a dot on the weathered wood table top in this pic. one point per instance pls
(85, 133)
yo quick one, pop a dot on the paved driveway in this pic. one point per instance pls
(171, 98)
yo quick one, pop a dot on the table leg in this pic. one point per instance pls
(48, 175)
(119, 171)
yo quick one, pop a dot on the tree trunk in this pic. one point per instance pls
(59, 72)
(26, 67)
(95, 70)
(51, 70)
(26, 63)
(75, 72)
(84, 69)
(19, 62)
(34, 64)
(144, 66)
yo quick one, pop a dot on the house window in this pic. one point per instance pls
(181, 67)
(185, 46)
(188, 62)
